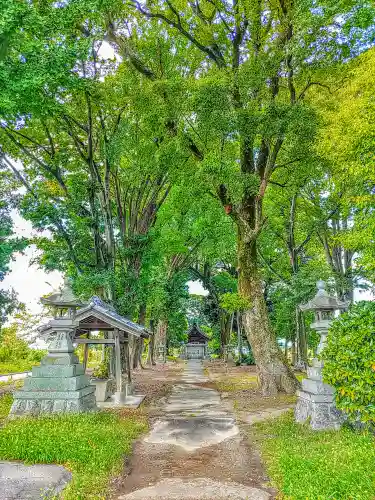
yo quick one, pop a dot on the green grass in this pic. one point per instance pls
(92, 446)
(240, 382)
(330, 465)
(6, 401)
(22, 365)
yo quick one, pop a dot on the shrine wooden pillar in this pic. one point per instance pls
(118, 370)
(86, 354)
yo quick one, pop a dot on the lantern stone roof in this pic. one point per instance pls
(322, 301)
(62, 298)
(106, 313)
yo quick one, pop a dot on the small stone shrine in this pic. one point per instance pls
(59, 384)
(316, 400)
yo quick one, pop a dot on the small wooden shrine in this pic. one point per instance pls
(196, 346)
(100, 316)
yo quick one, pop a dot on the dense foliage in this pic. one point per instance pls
(349, 361)
(15, 353)
(156, 142)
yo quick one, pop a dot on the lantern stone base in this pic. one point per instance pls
(316, 402)
(58, 385)
(319, 409)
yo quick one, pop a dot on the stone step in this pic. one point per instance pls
(22, 394)
(56, 384)
(315, 398)
(59, 371)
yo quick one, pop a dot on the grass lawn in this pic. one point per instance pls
(6, 401)
(304, 464)
(92, 446)
(240, 382)
(22, 365)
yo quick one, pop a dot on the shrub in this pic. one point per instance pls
(350, 361)
(12, 348)
(36, 355)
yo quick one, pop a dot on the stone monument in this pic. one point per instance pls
(59, 383)
(316, 400)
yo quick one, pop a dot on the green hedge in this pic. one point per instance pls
(350, 361)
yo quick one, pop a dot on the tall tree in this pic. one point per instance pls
(247, 115)
(9, 243)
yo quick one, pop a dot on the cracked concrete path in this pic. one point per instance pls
(195, 450)
(31, 482)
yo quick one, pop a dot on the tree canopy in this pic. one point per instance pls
(164, 141)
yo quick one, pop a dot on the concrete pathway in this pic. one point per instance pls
(195, 450)
(31, 482)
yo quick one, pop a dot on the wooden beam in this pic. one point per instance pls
(95, 326)
(85, 356)
(118, 361)
(94, 341)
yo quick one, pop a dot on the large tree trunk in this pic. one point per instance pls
(161, 335)
(274, 372)
(138, 350)
(301, 339)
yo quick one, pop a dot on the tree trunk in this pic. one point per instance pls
(139, 345)
(137, 356)
(161, 334)
(225, 329)
(151, 345)
(301, 339)
(274, 372)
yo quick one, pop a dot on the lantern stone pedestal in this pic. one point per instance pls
(316, 400)
(58, 384)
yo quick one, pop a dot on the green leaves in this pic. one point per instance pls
(233, 302)
(350, 361)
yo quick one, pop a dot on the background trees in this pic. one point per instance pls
(172, 140)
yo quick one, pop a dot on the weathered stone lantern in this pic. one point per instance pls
(59, 383)
(316, 400)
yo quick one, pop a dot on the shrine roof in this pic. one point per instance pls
(195, 330)
(105, 312)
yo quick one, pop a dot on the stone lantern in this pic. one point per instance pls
(59, 383)
(316, 400)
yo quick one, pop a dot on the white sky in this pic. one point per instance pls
(29, 281)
